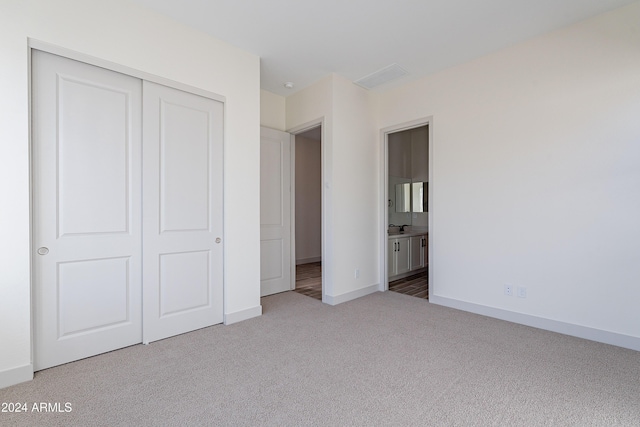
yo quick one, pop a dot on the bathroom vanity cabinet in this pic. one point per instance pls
(407, 254)
(419, 252)
(399, 255)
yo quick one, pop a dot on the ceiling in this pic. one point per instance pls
(301, 41)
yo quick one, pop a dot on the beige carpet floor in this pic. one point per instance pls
(383, 360)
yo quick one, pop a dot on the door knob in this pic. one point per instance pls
(43, 251)
(218, 240)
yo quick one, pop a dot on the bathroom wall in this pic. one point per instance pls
(407, 161)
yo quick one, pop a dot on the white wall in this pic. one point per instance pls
(351, 178)
(315, 104)
(272, 110)
(308, 200)
(312, 103)
(123, 33)
(536, 179)
(356, 174)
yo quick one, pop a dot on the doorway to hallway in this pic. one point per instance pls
(307, 155)
(309, 280)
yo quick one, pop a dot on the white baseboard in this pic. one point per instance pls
(239, 316)
(15, 376)
(599, 335)
(308, 260)
(339, 299)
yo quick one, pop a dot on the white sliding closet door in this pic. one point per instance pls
(86, 223)
(127, 217)
(182, 205)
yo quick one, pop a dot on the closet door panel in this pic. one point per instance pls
(90, 290)
(182, 206)
(86, 209)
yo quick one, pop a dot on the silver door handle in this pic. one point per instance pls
(218, 240)
(43, 251)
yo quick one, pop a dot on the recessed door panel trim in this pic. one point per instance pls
(93, 176)
(192, 196)
(163, 301)
(62, 330)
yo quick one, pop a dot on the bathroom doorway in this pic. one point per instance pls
(407, 179)
(307, 190)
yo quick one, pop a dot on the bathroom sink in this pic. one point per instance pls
(393, 231)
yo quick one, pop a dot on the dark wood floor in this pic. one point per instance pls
(416, 285)
(309, 282)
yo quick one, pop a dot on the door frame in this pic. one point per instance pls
(34, 44)
(323, 229)
(384, 196)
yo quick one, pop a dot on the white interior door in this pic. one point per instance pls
(275, 212)
(86, 221)
(182, 205)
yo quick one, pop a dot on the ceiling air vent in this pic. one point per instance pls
(382, 76)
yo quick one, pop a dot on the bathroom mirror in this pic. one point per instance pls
(403, 197)
(412, 197)
(420, 196)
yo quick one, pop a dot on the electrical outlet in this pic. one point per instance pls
(356, 273)
(522, 292)
(508, 290)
